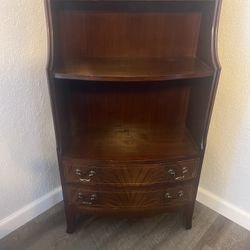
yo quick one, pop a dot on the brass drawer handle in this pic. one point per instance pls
(184, 170)
(178, 178)
(86, 199)
(88, 175)
(179, 195)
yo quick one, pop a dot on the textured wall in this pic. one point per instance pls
(226, 171)
(28, 167)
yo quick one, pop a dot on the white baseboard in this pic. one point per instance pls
(224, 208)
(35, 208)
(30, 211)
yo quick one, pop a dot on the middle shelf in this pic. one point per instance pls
(128, 143)
(122, 69)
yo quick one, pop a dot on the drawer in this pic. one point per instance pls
(134, 174)
(130, 198)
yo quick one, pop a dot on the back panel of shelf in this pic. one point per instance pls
(123, 105)
(127, 34)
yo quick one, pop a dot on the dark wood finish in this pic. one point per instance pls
(125, 34)
(135, 0)
(120, 69)
(132, 85)
(127, 143)
(70, 218)
(129, 198)
(129, 174)
(110, 107)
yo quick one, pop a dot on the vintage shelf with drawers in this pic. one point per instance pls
(132, 86)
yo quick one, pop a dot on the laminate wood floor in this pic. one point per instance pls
(210, 231)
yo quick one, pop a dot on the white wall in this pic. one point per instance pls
(28, 168)
(226, 171)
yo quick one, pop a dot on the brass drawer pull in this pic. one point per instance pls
(178, 178)
(179, 195)
(184, 170)
(88, 175)
(86, 199)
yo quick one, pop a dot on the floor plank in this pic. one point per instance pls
(210, 231)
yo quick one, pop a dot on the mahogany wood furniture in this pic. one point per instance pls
(132, 86)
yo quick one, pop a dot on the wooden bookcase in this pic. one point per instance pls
(132, 86)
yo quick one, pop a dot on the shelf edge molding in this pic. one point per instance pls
(122, 69)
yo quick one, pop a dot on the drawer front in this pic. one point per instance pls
(122, 198)
(134, 174)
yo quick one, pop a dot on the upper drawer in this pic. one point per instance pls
(133, 174)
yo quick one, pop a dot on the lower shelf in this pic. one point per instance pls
(130, 144)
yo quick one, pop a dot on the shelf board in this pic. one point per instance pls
(130, 143)
(121, 69)
(134, 0)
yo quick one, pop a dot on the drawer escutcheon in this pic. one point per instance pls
(180, 177)
(85, 177)
(86, 199)
(178, 195)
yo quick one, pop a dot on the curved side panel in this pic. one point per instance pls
(214, 39)
(54, 99)
(216, 66)
(50, 35)
(204, 89)
(50, 67)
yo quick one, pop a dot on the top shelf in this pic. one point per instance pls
(120, 69)
(134, 0)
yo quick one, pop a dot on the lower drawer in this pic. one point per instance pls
(131, 198)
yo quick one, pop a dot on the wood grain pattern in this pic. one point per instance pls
(126, 35)
(120, 69)
(128, 122)
(113, 107)
(135, 0)
(131, 174)
(126, 143)
(121, 198)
